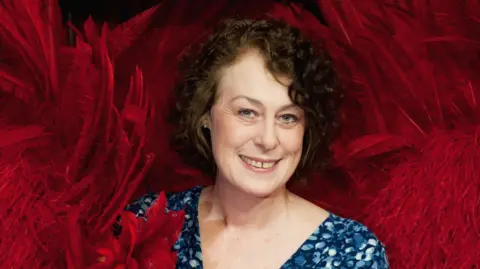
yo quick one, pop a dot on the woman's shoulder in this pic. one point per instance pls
(349, 242)
(175, 201)
(179, 200)
(345, 229)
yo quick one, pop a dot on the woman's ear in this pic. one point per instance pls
(206, 121)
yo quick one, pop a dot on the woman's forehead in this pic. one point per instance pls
(249, 76)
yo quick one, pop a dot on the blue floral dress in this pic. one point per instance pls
(336, 243)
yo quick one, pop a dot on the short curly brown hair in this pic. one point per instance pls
(288, 54)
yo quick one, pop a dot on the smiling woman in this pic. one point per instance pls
(256, 109)
(288, 63)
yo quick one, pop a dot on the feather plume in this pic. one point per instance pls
(434, 197)
(411, 124)
(73, 149)
(124, 35)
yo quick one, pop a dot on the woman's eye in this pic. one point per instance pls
(248, 113)
(288, 118)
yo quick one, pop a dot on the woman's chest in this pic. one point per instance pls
(269, 249)
(245, 252)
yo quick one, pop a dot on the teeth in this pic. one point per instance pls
(258, 164)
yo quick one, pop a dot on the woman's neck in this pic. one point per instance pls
(240, 210)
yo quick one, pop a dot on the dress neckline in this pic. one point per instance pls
(297, 254)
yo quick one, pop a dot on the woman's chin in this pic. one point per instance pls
(261, 190)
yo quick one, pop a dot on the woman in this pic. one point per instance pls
(255, 110)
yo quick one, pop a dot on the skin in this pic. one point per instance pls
(248, 219)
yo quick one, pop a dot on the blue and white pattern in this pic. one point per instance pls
(141, 206)
(336, 243)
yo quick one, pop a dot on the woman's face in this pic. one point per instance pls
(256, 130)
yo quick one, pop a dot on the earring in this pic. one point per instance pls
(204, 126)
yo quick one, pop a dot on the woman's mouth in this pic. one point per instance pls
(257, 165)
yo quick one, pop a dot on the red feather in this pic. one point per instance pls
(72, 148)
(141, 244)
(411, 122)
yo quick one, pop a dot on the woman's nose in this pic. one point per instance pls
(266, 136)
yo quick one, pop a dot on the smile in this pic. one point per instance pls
(259, 164)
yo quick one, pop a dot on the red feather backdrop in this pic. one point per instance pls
(82, 128)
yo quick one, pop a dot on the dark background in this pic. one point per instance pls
(116, 11)
(113, 11)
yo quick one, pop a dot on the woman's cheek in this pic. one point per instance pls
(292, 139)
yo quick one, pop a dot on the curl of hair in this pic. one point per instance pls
(288, 54)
